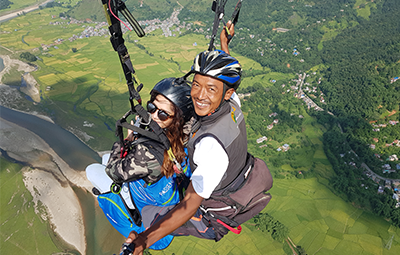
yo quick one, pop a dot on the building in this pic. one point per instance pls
(388, 171)
(285, 147)
(388, 184)
(262, 139)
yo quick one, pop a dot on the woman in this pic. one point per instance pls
(149, 173)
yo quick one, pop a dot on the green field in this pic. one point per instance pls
(318, 220)
(19, 4)
(364, 8)
(22, 230)
(95, 64)
(89, 85)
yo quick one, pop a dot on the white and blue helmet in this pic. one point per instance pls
(219, 65)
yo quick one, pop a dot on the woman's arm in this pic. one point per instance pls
(138, 163)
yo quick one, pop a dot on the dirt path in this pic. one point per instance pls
(19, 12)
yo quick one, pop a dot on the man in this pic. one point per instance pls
(217, 148)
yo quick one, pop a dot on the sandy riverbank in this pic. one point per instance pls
(31, 88)
(48, 180)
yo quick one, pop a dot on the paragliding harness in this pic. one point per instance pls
(237, 199)
(218, 6)
(149, 131)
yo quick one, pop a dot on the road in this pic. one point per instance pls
(311, 103)
(19, 12)
(306, 99)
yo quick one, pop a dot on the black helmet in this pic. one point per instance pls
(177, 90)
(220, 65)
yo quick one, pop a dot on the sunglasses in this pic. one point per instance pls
(162, 115)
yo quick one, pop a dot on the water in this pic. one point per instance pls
(72, 150)
(101, 237)
(1, 64)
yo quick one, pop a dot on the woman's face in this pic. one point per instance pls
(163, 104)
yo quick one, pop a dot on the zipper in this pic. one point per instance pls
(112, 201)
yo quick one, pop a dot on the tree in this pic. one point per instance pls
(4, 4)
(28, 56)
(74, 50)
(266, 222)
(301, 250)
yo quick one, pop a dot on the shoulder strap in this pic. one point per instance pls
(155, 148)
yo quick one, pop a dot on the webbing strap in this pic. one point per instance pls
(235, 231)
(139, 130)
(235, 14)
(162, 137)
(218, 6)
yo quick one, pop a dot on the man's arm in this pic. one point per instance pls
(224, 36)
(171, 221)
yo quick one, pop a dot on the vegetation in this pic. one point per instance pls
(265, 222)
(28, 56)
(5, 4)
(87, 85)
(350, 180)
(318, 221)
(21, 227)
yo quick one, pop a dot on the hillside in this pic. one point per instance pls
(354, 45)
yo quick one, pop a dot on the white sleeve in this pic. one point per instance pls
(236, 98)
(212, 162)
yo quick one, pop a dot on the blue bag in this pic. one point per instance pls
(162, 193)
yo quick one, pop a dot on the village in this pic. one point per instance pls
(100, 28)
(381, 182)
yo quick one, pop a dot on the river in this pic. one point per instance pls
(72, 150)
(77, 155)
(1, 64)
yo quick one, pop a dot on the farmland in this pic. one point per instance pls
(87, 85)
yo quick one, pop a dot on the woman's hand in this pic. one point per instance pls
(129, 137)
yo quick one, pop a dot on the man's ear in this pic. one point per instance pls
(229, 93)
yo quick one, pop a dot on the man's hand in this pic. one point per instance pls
(140, 244)
(226, 37)
(170, 222)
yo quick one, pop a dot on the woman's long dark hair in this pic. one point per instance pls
(176, 137)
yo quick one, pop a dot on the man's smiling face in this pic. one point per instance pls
(207, 93)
